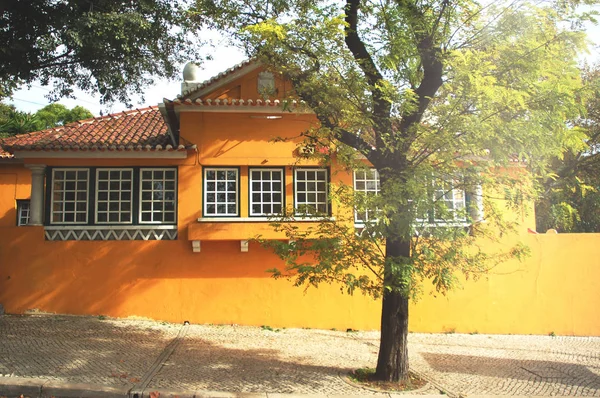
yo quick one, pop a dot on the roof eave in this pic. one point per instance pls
(175, 153)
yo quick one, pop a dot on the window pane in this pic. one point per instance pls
(263, 190)
(311, 188)
(158, 193)
(115, 188)
(221, 197)
(70, 193)
(366, 182)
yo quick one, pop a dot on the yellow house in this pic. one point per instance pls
(149, 213)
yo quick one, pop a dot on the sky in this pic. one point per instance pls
(34, 98)
(224, 57)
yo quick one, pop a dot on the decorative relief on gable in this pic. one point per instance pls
(266, 84)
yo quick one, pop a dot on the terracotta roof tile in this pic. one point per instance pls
(283, 106)
(139, 129)
(5, 155)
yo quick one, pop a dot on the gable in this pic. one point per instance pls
(239, 82)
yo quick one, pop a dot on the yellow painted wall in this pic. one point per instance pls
(553, 291)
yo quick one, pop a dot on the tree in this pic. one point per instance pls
(570, 192)
(19, 123)
(100, 46)
(14, 122)
(58, 115)
(424, 90)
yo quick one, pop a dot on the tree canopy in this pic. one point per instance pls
(437, 96)
(570, 192)
(113, 48)
(14, 122)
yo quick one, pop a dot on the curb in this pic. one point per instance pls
(69, 390)
(42, 388)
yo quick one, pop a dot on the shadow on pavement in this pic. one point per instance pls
(568, 374)
(198, 364)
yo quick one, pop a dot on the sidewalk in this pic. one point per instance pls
(87, 356)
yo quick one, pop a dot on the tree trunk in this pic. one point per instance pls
(392, 362)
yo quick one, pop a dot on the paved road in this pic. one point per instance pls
(148, 356)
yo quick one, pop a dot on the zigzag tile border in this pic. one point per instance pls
(111, 234)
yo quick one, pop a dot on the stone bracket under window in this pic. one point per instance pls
(138, 232)
(197, 246)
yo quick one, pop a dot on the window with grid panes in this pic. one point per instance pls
(367, 182)
(158, 195)
(114, 197)
(451, 198)
(69, 196)
(266, 191)
(23, 209)
(221, 192)
(444, 194)
(311, 191)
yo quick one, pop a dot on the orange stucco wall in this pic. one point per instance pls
(552, 291)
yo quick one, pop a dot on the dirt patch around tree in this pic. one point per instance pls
(365, 378)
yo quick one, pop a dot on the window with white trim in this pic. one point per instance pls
(114, 199)
(23, 209)
(444, 194)
(158, 192)
(266, 191)
(310, 191)
(445, 197)
(221, 192)
(366, 182)
(69, 196)
(112, 196)
(451, 198)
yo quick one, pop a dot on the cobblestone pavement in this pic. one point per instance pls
(80, 349)
(509, 365)
(302, 361)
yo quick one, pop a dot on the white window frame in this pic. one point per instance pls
(108, 201)
(272, 202)
(87, 197)
(431, 219)
(316, 192)
(205, 212)
(23, 212)
(141, 201)
(366, 191)
(453, 191)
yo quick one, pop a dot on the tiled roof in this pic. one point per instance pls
(232, 104)
(138, 129)
(215, 79)
(4, 154)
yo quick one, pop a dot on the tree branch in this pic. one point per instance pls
(381, 106)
